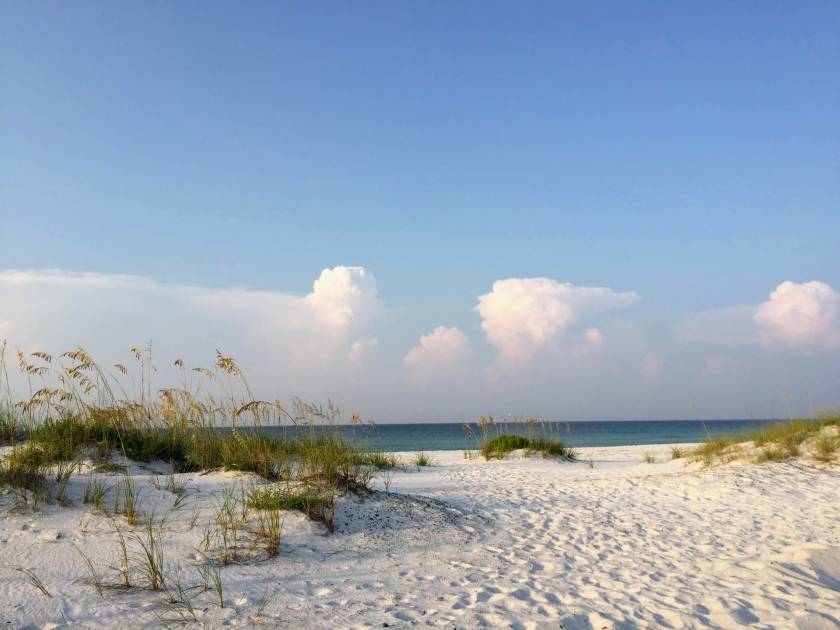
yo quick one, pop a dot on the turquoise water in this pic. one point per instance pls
(452, 436)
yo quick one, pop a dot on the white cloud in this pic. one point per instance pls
(559, 351)
(593, 336)
(524, 315)
(441, 353)
(285, 340)
(344, 296)
(59, 277)
(362, 348)
(796, 315)
(801, 314)
(589, 343)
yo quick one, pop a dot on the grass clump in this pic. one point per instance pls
(26, 479)
(777, 442)
(317, 503)
(151, 557)
(9, 432)
(376, 459)
(772, 454)
(270, 526)
(501, 445)
(649, 458)
(719, 448)
(95, 494)
(825, 447)
(678, 452)
(203, 425)
(782, 440)
(496, 439)
(24, 473)
(127, 500)
(421, 460)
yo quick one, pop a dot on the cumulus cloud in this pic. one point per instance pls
(796, 315)
(554, 348)
(801, 314)
(344, 296)
(441, 353)
(362, 348)
(283, 338)
(524, 315)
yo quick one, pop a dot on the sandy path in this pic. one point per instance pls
(652, 545)
(516, 543)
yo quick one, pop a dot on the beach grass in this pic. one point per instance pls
(421, 460)
(826, 447)
(318, 503)
(777, 442)
(500, 446)
(717, 449)
(8, 429)
(495, 439)
(79, 411)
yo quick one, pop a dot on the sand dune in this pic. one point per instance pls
(523, 543)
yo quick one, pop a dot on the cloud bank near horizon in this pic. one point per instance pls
(547, 347)
(796, 316)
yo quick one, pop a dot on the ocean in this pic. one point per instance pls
(452, 436)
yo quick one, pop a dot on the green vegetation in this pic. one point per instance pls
(719, 449)
(777, 442)
(8, 429)
(499, 446)
(318, 505)
(78, 416)
(25, 474)
(153, 566)
(826, 447)
(421, 460)
(771, 454)
(496, 440)
(75, 413)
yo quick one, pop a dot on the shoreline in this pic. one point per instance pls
(583, 434)
(583, 452)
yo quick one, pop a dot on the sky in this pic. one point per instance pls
(431, 211)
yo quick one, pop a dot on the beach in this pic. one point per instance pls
(606, 541)
(452, 315)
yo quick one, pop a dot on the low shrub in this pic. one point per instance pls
(499, 446)
(317, 503)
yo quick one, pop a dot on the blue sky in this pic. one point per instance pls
(685, 153)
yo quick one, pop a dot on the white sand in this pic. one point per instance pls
(514, 543)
